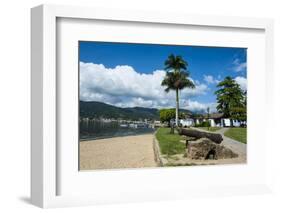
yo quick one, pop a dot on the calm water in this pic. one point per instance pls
(96, 129)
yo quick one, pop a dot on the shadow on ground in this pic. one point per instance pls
(26, 200)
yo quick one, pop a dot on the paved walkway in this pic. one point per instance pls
(236, 146)
(119, 152)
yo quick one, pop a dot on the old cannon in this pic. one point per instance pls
(192, 133)
(205, 145)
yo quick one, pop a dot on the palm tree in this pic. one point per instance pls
(208, 117)
(176, 78)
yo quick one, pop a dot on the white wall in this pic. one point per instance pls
(15, 89)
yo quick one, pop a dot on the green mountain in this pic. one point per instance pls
(93, 109)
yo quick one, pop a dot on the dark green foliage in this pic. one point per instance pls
(176, 77)
(167, 114)
(93, 109)
(101, 110)
(239, 113)
(177, 81)
(231, 99)
(203, 124)
(175, 63)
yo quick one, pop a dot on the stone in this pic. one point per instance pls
(206, 149)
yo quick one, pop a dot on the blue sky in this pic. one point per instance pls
(138, 62)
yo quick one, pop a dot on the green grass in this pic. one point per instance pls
(211, 129)
(239, 134)
(169, 143)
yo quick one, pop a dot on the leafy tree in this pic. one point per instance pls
(245, 98)
(166, 115)
(176, 78)
(240, 113)
(231, 99)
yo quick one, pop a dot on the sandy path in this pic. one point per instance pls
(119, 152)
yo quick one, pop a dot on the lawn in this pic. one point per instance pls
(169, 143)
(211, 129)
(239, 134)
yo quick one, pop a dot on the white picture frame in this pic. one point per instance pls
(45, 168)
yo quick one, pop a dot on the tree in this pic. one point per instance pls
(176, 78)
(240, 113)
(166, 115)
(231, 99)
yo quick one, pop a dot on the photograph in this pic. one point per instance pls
(161, 105)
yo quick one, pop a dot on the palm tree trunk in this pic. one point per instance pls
(177, 107)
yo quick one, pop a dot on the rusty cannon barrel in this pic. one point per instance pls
(217, 138)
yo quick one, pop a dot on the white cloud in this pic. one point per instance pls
(199, 107)
(210, 79)
(124, 87)
(242, 82)
(239, 66)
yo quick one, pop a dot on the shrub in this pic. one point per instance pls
(203, 124)
(167, 114)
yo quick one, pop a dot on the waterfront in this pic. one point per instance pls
(91, 129)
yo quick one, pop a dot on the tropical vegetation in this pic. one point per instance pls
(177, 78)
(166, 115)
(231, 99)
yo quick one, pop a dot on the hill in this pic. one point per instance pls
(93, 109)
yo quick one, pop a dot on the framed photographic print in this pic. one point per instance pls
(126, 123)
(149, 106)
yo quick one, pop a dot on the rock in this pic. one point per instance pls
(206, 149)
(223, 152)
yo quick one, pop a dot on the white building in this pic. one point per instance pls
(225, 122)
(212, 122)
(187, 122)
